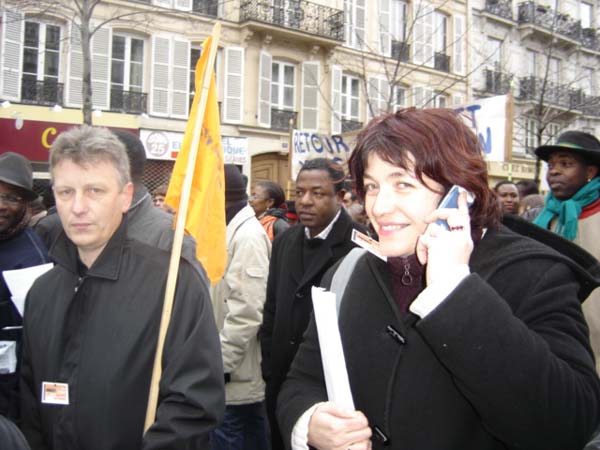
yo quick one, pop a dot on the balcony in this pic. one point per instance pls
(280, 119)
(400, 51)
(590, 106)
(128, 101)
(590, 39)
(298, 15)
(497, 82)
(350, 125)
(532, 89)
(441, 62)
(500, 8)
(549, 21)
(206, 7)
(46, 92)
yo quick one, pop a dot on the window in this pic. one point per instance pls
(530, 134)
(587, 81)
(399, 17)
(354, 23)
(585, 15)
(283, 76)
(531, 56)
(554, 70)
(41, 62)
(127, 73)
(440, 39)
(350, 97)
(551, 133)
(400, 94)
(494, 53)
(194, 56)
(440, 100)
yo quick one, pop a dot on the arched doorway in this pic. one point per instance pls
(271, 167)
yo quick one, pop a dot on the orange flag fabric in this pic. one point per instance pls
(206, 211)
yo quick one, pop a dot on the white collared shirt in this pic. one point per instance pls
(323, 234)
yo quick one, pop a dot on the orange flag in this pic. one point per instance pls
(205, 219)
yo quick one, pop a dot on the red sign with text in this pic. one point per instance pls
(33, 139)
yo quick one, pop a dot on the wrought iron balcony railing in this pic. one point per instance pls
(400, 51)
(549, 19)
(501, 8)
(206, 7)
(350, 125)
(296, 14)
(128, 101)
(280, 119)
(550, 93)
(46, 92)
(441, 61)
(590, 39)
(497, 82)
(591, 106)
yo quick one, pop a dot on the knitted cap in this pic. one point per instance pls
(234, 184)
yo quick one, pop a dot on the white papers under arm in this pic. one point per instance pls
(332, 353)
(19, 282)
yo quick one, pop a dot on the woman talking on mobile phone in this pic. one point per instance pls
(466, 338)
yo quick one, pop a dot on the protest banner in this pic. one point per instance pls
(491, 119)
(307, 145)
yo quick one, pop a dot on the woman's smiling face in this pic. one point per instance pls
(397, 203)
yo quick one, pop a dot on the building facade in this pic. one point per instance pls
(323, 67)
(546, 54)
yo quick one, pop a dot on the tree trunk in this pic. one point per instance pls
(86, 84)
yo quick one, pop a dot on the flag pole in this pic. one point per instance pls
(179, 231)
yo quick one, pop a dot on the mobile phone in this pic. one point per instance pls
(450, 200)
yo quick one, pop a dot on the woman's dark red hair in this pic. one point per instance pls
(444, 149)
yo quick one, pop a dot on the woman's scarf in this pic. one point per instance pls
(568, 211)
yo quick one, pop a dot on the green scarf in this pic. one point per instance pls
(568, 211)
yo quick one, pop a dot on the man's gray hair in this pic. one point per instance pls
(88, 145)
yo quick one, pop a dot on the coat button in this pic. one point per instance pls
(292, 342)
(381, 436)
(299, 295)
(395, 335)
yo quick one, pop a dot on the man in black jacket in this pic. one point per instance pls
(91, 323)
(300, 257)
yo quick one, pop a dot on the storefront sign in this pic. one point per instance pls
(165, 145)
(33, 139)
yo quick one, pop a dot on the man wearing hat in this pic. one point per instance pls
(238, 301)
(20, 247)
(573, 205)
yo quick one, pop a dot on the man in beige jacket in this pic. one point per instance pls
(238, 301)
(573, 206)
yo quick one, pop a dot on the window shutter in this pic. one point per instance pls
(159, 93)
(336, 99)
(378, 96)
(75, 61)
(180, 73)
(457, 100)
(423, 34)
(384, 96)
(422, 97)
(310, 95)
(459, 44)
(183, 5)
(385, 26)
(234, 84)
(359, 28)
(12, 37)
(264, 89)
(371, 97)
(101, 49)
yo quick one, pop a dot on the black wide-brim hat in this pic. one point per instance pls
(578, 142)
(16, 170)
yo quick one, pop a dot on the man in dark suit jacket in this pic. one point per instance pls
(299, 259)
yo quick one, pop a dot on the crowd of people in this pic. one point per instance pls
(475, 327)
